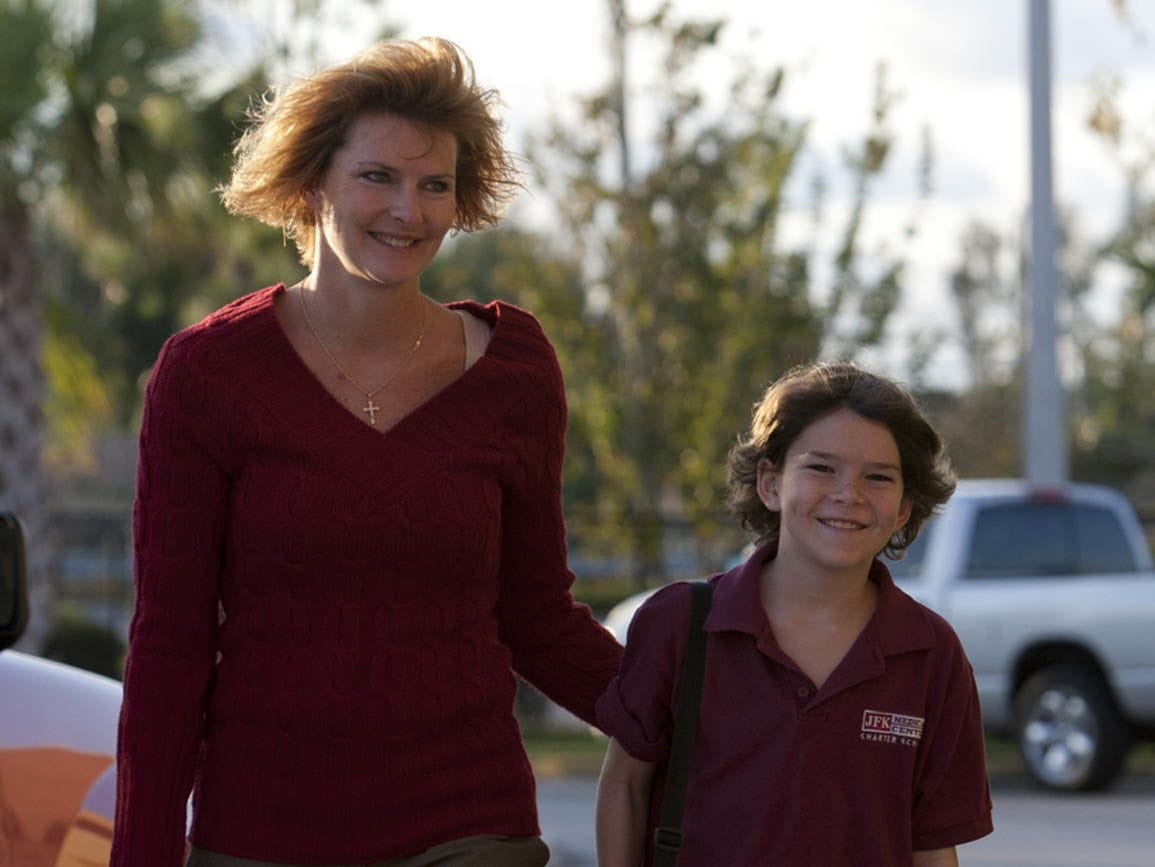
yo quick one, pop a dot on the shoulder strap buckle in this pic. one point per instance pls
(667, 840)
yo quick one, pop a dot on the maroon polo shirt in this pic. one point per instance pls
(885, 759)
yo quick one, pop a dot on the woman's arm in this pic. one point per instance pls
(623, 807)
(178, 532)
(936, 858)
(556, 643)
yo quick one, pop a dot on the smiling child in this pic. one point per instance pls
(839, 722)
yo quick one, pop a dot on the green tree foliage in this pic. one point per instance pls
(988, 297)
(1108, 352)
(102, 153)
(78, 406)
(693, 294)
(1116, 433)
(988, 288)
(77, 154)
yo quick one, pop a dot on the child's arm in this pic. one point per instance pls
(936, 858)
(623, 807)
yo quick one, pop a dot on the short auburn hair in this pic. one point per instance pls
(811, 392)
(293, 133)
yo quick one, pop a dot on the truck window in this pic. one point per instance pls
(1103, 547)
(1026, 539)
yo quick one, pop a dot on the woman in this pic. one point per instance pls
(348, 521)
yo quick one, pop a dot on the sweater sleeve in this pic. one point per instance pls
(178, 529)
(557, 644)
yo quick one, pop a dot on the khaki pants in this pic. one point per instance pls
(486, 850)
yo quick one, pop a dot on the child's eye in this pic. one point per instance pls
(821, 468)
(880, 477)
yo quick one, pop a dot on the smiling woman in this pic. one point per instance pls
(349, 527)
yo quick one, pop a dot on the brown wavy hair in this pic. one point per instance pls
(810, 392)
(293, 133)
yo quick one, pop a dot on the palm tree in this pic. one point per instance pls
(83, 87)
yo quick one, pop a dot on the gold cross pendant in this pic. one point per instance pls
(371, 408)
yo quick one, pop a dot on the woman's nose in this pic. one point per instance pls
(404, 207)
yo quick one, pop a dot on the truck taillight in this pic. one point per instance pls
(1048, 495)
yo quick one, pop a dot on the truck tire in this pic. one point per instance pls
(1071, 735)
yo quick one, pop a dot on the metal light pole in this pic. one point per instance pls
(1044, 439)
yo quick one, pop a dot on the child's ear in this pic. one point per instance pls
(903, 513)
(768, 480)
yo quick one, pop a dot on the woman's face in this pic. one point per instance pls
(386, 200)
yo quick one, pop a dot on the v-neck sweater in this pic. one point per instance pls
(329, 616)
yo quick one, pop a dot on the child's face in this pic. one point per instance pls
(840, 495)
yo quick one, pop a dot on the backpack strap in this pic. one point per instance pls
(668, 834)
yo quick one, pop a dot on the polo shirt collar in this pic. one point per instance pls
(899, 624)
(737, 604)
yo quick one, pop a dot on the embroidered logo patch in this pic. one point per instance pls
(891, 728)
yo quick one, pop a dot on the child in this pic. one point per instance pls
(839, 722)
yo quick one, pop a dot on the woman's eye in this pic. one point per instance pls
(376, 177)
(439, 186)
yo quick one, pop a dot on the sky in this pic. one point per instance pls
(959, 67)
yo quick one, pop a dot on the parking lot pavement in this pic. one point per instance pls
(1040, 829)
(1032, 828)
(566, 807)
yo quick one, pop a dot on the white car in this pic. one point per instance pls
(57, 742)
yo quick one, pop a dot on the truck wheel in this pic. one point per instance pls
(1071, 735)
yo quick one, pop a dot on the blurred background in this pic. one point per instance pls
(715, 191)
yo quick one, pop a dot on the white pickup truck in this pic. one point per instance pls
(1052, 592)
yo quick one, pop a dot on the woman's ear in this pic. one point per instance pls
(768, 481)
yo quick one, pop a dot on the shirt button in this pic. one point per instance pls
(804, 692)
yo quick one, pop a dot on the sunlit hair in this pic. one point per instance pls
(809, 393)
(293, 133)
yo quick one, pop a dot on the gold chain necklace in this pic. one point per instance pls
(371, 409)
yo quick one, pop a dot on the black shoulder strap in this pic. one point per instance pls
(668, 834)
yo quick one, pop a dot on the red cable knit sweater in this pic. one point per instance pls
(328, 615)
